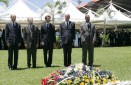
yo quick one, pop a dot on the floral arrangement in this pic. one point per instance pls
(80, 74)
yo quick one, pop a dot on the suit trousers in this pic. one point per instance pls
(31, 52)
(13, 49)
(48, 51)
(67, 49)
(90, 49)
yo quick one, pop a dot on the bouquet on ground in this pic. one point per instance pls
(80, 74)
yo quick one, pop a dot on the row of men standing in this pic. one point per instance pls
(47, 40)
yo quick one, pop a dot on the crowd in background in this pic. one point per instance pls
(121, 37)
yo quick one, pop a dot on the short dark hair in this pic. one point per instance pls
(47, 16)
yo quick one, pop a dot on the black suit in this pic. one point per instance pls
(31, 38)
(67, 34)
(13, 37)
(48, 37)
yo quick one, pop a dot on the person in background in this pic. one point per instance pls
(31, 42)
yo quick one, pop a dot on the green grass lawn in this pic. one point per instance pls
(115, 59)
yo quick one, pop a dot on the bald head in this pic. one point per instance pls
(13, 17)
(87, 18)
(30, 20)
(67, 17)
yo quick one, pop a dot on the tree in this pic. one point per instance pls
(56, 8)
(5, 1)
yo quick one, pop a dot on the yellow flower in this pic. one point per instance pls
(69, 81)
(104, 81)
(92, 80)
(84, 77)
(87, 80)
(82, 83)
(98, 81)
(114, 81)
(107, 76)
(78, 78)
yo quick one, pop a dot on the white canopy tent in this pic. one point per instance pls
(75, 14)
(113, 16)
(93, 17)
(22, 9)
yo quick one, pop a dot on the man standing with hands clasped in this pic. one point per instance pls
(88, 37)
(13, 40)
(48, 40)
(31, 40)
(67, 35)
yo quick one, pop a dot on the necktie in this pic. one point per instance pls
(47, 25)
(67, 24)
(13, 24)
(89, 26)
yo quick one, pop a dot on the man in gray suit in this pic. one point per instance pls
(31, 40)
(67, 35)
(88, 37)
(13, 40)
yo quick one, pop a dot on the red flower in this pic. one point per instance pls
(44, 81)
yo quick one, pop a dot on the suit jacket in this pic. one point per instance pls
(47, 34)
(31, 35)
(13, 33)
(87, 32)
(67, 34)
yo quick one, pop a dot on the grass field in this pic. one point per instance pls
(115, 59)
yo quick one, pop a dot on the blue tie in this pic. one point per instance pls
(13, 24)
(89, 26)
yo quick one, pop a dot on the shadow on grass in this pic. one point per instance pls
(97, 65)
(53, 66)
(21, 68)
(38, 67)
(30, 68)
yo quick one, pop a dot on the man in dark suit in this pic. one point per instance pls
(88, 37)
(67, 35)
(31, 42)
(13, 41)
(48, 40)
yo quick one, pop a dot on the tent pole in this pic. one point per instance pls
(104, 26)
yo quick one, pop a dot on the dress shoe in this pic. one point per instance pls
(34, 67)
(48, 65)
(14, 68)
(90, 65)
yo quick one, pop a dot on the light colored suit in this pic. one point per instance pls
(88, 37)
(31, 39)
(87, 34)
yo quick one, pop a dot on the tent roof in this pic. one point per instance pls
(21, 9)
(112, 15)
(75, 14)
